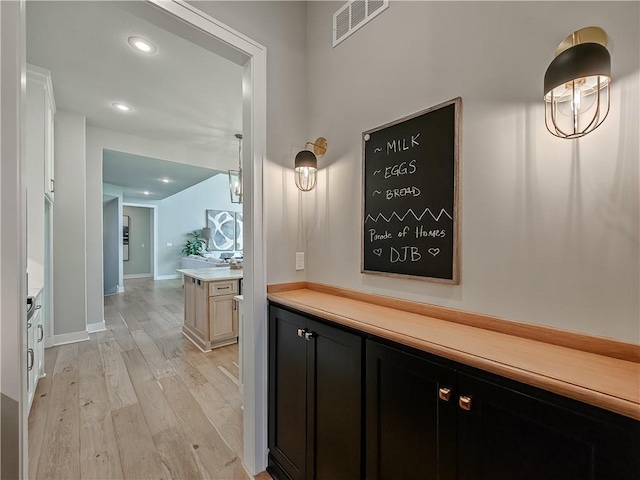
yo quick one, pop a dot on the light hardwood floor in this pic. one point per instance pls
(138, 400)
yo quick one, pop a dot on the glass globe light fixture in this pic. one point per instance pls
(576, 84)
(306, 165)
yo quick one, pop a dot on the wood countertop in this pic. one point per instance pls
(603, 381)
(212, 274)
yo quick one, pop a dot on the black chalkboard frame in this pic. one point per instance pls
(457, 136)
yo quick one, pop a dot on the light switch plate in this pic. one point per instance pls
(299, 260)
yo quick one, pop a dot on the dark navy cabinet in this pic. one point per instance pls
(347, 405)
(411, 416)
(513, 431)
(315, 399)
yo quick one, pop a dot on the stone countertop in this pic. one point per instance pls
(212, 274)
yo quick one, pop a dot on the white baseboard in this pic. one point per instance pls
(73, 337)
(120, 289)
(96, 327)
(169, 277)
(139, 275)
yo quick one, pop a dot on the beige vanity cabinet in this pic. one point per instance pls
(210, 312)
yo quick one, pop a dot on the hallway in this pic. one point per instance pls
(138, 400)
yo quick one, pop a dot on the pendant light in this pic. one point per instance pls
(576, 84)
(235, 176)
(306, 165)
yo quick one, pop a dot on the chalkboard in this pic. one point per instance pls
(410, 188)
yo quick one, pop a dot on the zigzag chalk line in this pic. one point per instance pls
(417, 217)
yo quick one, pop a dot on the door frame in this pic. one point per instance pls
(13, 246)
(254, 327)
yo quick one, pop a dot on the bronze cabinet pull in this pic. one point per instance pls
(464, 402)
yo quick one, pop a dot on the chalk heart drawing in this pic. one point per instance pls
(377, 251)
(434, 251)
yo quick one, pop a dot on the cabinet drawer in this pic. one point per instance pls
(223, 288)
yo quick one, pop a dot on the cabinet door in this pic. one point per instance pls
(507, 434)
(335, 406)
(201, 314)
(410, 430)
(221, 318)
(287, 393)
(190, 302)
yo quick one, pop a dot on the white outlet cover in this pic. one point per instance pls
(169, 244)
(299, 260)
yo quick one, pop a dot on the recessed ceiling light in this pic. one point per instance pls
(121, 106)
(145, 192)
(165, 180)
(142, 45)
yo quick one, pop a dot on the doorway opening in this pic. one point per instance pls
(140, 228)
(192, 24)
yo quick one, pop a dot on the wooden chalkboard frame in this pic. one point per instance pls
(455, 280)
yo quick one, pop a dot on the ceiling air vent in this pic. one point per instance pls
(354, 15)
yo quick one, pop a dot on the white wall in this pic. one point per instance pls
(69, 254)
(281, 28)
(549, 227)
(185, 212)
(112, 191)
(111, 239)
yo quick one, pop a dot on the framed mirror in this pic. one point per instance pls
(125, 237)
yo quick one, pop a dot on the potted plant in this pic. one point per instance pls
(194, 245)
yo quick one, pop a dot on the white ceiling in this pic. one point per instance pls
(137, 174)
(184, 94)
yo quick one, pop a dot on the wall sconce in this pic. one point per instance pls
(306, 165)
(576, 84)
(235, 176)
